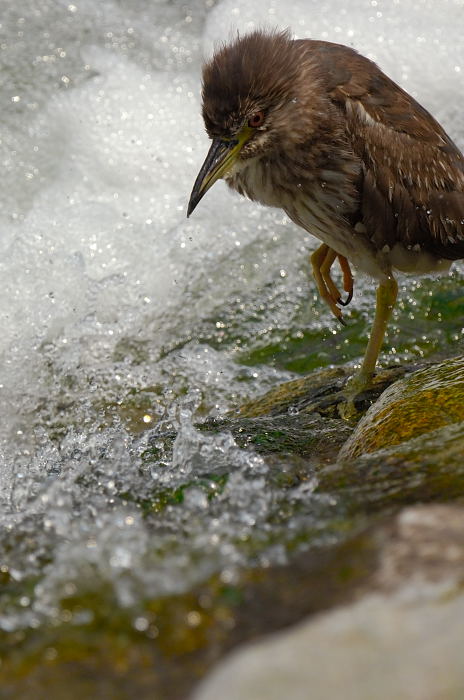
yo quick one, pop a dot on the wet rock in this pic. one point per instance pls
(402, 639)
(320, 392)
(296, 395)
(293, 433)
(160, 650)
(377, 648)
(426, 544)
(420, 403)
(427, 468)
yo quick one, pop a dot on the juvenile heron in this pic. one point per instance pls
(318, 130)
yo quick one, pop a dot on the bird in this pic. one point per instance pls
(318, 130)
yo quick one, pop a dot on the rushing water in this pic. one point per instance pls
(123, 323)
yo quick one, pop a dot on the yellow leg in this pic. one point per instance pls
(386, 298)
(325, 272)
(321, 272)
(322, 260)
(347, 279)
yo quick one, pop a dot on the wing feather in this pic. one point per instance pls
(412, 189)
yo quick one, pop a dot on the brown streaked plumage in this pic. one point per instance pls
(318, 130)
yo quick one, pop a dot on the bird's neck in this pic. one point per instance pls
(312, 173)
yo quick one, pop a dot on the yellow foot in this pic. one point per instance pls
(355, 386)
(358, 383)
(322, 260)
(348, 411)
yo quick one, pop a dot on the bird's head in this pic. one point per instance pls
(253, 103)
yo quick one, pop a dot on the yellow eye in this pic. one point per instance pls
(256, 120)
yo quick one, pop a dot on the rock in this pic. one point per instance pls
(420, 403)
(294, 433)
(404, 639)
(428, 467)
(377, 648)
(425, 544)
(297, 394)
(319, 392)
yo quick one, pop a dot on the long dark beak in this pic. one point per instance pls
(221, 157)
(218, 156)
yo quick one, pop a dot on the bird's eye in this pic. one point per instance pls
(257, 119)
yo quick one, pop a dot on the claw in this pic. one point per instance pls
(322, 260)
(346, 301)
(347, 279)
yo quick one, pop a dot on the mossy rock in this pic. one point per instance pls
(424, 469)
(301, 433)
(425, 401)
(319, 392)
(294, 394)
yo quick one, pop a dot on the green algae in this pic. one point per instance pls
(210, 484)
(301, 434)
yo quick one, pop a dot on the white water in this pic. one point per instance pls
(107, 288)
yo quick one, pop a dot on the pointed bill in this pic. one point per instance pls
(221, 156)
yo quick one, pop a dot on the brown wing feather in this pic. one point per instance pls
(413, 174)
